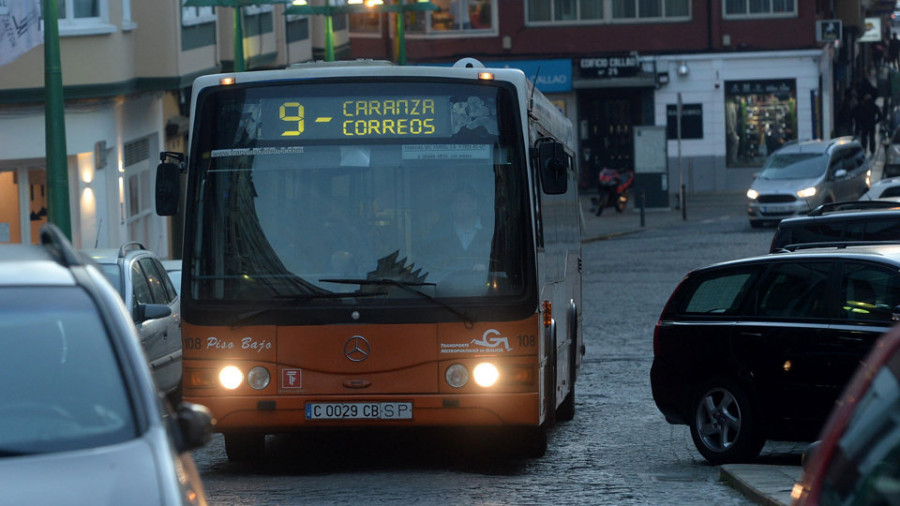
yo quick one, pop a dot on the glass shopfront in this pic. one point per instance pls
(760, 116)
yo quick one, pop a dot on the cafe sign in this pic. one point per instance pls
(617, 65)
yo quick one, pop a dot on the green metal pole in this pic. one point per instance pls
(58, 211)
(329, 38)
(401, 38)
(238, 40)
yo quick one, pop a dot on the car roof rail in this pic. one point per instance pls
(848, 205)
(832, 244)
(129, 245)
(59, 245)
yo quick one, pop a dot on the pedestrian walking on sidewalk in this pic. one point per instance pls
(867, 117)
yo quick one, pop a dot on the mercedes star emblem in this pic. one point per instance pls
(356, 349)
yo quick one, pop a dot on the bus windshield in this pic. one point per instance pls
(334, 193)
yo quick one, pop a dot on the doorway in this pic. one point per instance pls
(607, 117)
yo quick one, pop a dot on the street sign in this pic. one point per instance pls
(872, 32)
(828, 30)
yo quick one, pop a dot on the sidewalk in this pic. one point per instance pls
(699, 207)
(769, 485)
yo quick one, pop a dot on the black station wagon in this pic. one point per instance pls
(760, 348)
(864, 221)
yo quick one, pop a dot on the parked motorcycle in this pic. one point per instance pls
(614, 188)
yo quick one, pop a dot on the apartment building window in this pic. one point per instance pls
(198, 27)
(609, 11)
(297, 28)
(83, 17)
(454, 17)
(197, 15)
(258, 20)
(760, 8)
(71, 10)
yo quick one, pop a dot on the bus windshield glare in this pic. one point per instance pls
(344, 192)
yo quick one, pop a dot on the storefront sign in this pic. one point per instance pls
(691, 121)
(620, 65)
(872, 32)
(828, 30)
(761, 87)
(550, 76)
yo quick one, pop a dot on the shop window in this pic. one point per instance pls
(760, 116)
(760, 8)
(365, 23)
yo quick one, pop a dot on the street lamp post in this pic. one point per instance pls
(356, 6)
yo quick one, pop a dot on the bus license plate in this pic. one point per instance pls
(359, 411)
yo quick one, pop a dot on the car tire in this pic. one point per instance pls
(245, 446)
(725, 423)
(756, 224)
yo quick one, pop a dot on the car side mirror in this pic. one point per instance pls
(168, 189)
(553, 164)
(840, 173)
(195, 426)
(144, 312)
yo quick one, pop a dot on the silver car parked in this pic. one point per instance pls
(801, 176)
(155, 307)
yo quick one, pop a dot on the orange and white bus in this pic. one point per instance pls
(372, 245)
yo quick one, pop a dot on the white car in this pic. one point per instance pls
(173, 269)
(885, 189)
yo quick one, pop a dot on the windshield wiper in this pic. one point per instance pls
(409, 287)
(13, 453)
(241, 318)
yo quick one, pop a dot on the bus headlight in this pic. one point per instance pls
(231, 377)
(258, 378)
(485, 374)
(457, 375)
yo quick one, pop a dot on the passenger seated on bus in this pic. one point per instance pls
(460, 240)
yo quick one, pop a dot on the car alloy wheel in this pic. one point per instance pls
(724, 425)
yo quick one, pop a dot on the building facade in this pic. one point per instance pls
(714, 84)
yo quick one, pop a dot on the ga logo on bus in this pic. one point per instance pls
(489, 341)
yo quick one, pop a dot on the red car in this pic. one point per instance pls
(857, 460)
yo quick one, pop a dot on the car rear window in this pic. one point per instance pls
(63, 388)
(719, 293)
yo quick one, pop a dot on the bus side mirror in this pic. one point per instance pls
(553, 164)
(168, 189)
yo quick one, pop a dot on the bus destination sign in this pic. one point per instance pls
(355, 117)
